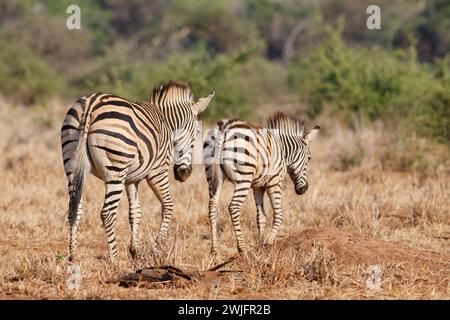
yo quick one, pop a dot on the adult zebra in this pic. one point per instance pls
(257, 158)
(123, 142)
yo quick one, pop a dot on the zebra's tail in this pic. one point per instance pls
(215, 170)
(79, 170)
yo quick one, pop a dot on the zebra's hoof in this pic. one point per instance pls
(214, 261)
(160, 240)
(133, 252)
(161, 244)
(112, 261)
(242, 251)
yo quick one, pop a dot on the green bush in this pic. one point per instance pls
(232, 47)
(25, 76)
(242, 80)
(367, 84)
(95, 18)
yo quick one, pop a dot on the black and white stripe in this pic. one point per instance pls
(257, 158)
(124, 142)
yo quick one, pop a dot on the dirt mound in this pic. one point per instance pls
(353, 248)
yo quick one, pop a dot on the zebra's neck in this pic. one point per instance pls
(175, 118)
(287, 144)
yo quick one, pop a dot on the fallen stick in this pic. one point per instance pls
(223, 263)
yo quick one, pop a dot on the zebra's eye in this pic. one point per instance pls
(309, 158)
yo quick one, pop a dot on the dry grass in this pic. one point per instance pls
(351, 188)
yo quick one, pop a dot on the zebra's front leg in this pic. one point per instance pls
(74, 220)
(134, 217)
(239, 196)
(160, 186)
(275, 197)
(261, 217)
(113, 192)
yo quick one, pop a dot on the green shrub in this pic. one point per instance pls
(95, 18)
(25, 76)
(242, 80)
(367, 84)
(433, 119)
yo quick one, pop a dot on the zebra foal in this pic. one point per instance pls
(255, 158)
(123, 142)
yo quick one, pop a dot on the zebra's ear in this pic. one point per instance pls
(311, 135)
(202, 103)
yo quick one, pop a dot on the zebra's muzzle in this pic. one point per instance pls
(302, 189)
(182, 172)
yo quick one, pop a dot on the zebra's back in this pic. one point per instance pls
(122, 136)
(243, 152)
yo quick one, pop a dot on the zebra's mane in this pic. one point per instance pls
(286, 124)
(171, 93)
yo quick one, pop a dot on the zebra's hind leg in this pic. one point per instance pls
(113, 192)
(261, 217)
(240, 194)
(215, 185)
(160, 186)
(74, 220)
(134, 217)
(275, 199)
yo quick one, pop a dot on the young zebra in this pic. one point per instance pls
(123, 142)
(257, 158)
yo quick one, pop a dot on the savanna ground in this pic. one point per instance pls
(356, 213)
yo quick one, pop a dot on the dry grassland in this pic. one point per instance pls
(367, 214)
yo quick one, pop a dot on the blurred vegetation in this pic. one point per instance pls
(316, 55)
(367, 84)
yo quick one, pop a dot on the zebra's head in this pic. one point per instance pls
(295, 142)
(300, 157)
(177, 104)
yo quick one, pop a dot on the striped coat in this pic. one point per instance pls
(255, 158)
(124, 142)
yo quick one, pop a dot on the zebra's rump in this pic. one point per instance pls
(122, 136)
(243, 151)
